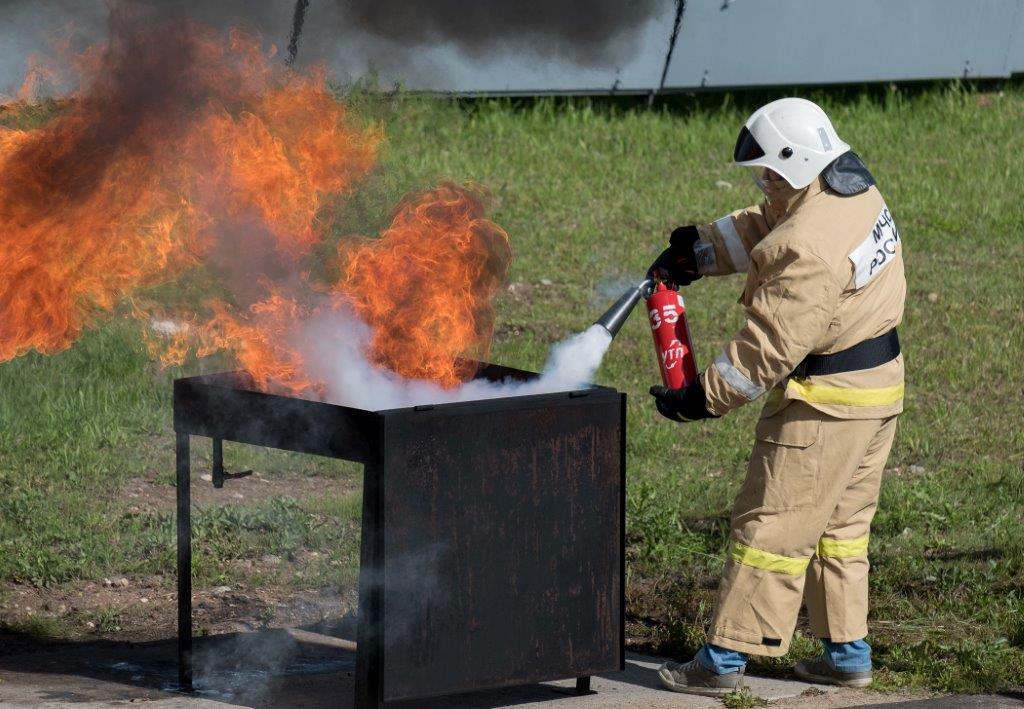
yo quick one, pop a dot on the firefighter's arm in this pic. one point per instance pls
(789, 314)
(725, 244)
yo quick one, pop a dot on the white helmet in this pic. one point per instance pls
(791, 136)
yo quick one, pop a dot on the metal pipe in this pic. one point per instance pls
(306, 636)
(615, 317)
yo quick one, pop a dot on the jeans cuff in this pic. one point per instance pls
(703, 660)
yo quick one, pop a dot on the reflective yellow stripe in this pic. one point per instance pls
(822, 394)
(749, 556)
(843, 548)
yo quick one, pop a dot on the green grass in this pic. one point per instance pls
(588, 192)
(742, 699)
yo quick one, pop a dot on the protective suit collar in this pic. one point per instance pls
(779, 191)
(848, 175)
(782, 199)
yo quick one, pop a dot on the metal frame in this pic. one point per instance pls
(558, 467)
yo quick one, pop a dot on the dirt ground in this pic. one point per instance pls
(812, 698)
(138, 609)
(148, 494)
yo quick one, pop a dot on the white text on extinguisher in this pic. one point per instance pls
(673, 355)
(668, 316)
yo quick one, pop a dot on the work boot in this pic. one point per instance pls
(695, 678)
(818, 670)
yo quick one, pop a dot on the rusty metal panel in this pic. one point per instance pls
(502, 544)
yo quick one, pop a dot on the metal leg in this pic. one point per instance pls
(583, 685)
(218, 463)
(369, 690)
(184, 564)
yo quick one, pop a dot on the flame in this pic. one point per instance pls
(426, 286)
(259, 341)
(135, 181)
(182, 150)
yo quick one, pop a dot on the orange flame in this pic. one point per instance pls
(184, 149)
(425, 287)
(132, 183)
(260, 340)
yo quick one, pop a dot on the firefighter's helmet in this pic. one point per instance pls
(791, 136)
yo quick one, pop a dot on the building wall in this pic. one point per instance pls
(748, 43)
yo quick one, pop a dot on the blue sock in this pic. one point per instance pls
(854, 656)
(719, 660)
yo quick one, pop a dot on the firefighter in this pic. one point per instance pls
(824, 294)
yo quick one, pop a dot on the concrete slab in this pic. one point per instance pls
(637, 687)
(269, 669)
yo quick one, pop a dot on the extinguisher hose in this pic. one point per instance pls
(615, 317)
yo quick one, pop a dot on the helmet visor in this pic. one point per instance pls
(747, 148)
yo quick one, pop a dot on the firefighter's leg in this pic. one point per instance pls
(802, 463)
(837, 579)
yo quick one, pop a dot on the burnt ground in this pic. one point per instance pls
(265, 669)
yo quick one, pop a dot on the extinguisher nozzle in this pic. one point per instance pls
(615, 317)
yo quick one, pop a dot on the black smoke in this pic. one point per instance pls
(586, 31)
(387, 33)
(298, 20)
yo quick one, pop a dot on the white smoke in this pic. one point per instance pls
(333, 343)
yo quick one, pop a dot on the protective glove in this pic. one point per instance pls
(682, 405)
(678, 264)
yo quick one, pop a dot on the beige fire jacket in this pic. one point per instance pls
(824, 272)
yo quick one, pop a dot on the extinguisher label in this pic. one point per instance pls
(673, 355)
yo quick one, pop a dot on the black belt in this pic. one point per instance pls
(864, 355)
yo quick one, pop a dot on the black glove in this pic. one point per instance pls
(678, 264)
(682, 405)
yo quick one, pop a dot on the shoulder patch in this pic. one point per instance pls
(876, 251)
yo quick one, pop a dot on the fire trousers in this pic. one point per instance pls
(800, 528)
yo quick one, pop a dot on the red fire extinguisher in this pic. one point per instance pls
(667, 314)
